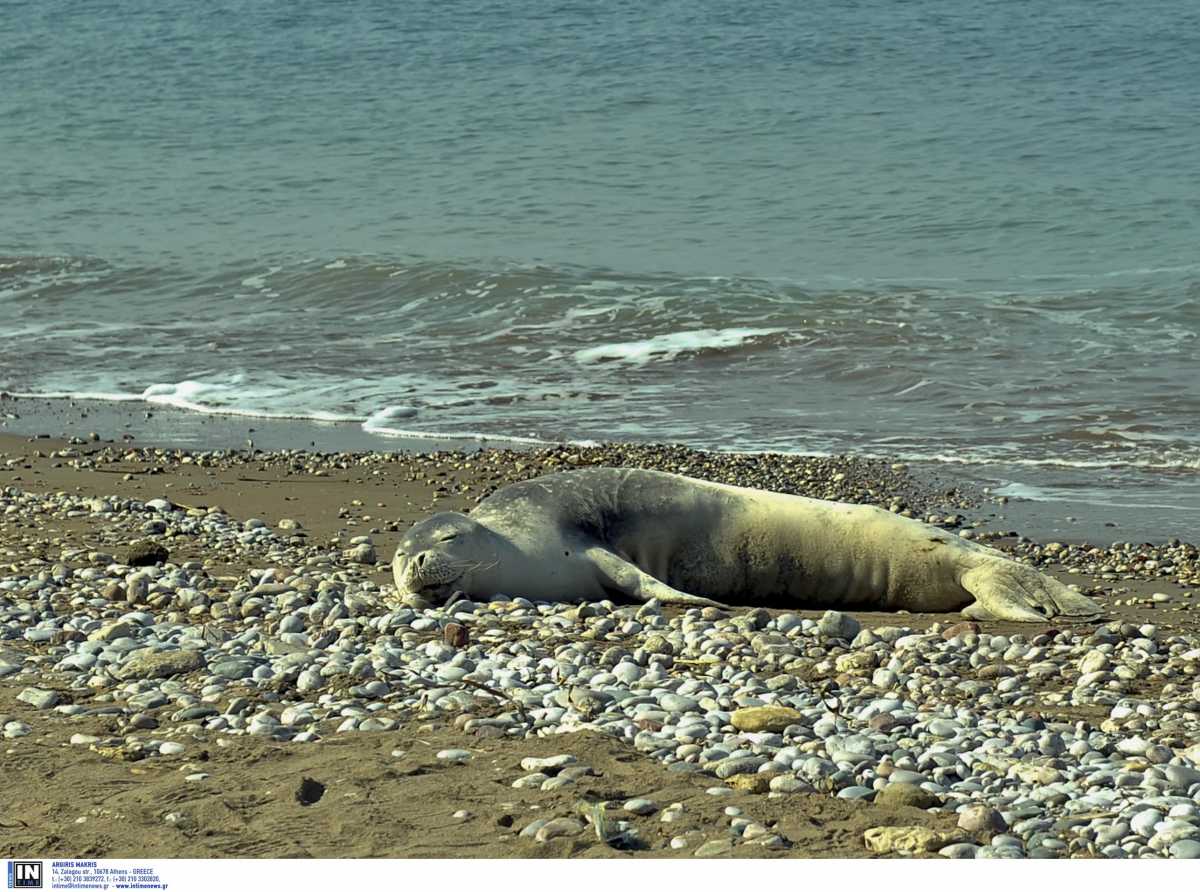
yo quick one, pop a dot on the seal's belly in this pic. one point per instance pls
(734, 560)
(776, 550)
(746, 573)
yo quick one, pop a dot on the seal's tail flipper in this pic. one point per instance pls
(618, 574)
(1005, 589)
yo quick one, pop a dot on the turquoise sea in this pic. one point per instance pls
(957, 232)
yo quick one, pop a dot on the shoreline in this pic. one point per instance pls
(166, 426)
(169, 427)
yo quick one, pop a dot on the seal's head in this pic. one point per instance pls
(438, 556)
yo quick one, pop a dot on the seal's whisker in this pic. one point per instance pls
(480, 565)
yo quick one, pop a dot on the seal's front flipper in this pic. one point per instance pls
(620, 575)
(1005, 589)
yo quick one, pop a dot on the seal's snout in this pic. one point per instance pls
(424, 579)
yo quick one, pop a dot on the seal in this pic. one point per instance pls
(635, 535)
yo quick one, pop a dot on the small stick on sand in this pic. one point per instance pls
(473, 684)
(495, 693)
(296, 480)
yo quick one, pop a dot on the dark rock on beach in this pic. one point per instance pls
(146, 553)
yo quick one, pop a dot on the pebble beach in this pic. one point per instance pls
(278, 283)
(187, 636)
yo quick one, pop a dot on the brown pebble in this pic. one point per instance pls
(908, 795)
(996, 670)
(962, 628)
(145, 552)
(980, 818)
(750, 783)
(882, 722)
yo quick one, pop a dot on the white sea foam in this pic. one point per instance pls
(1186, 461)
(383, 430)
(670, 346)
(220, 399)
(1022, 490)
(183, 396)
(96, 396)
(377, 422)
(1042, 494)
(186, 395)
(922, 383)
(259, 280)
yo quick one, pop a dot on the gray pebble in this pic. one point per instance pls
(834, 624)
(714, 848)
(641, 807)
(1186, 848)
(732, 766)
(38, 698)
